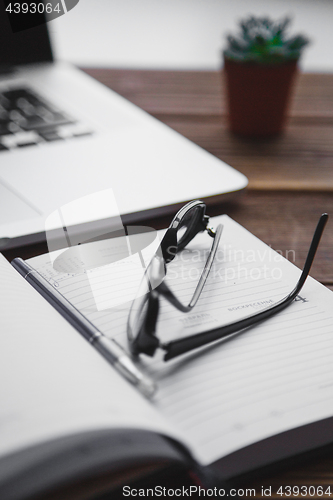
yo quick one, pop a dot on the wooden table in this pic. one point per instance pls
(290, 178)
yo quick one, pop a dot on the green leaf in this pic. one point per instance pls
(261, 39)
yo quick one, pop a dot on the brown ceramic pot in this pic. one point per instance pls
(258, 96)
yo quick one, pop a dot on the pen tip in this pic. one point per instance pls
(147, 386)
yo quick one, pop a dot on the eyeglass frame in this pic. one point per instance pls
(181, 346)
(145, 341)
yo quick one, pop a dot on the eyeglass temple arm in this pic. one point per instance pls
(164, 290)
(178, 347)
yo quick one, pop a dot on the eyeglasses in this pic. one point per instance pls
(142, 320)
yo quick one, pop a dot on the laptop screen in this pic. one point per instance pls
(24, 47)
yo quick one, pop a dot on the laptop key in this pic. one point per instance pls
(25, 144)
(15, 98)
(50, 135)
(16, 93)
(27, 119)
(57, 119)
(83, 133)
(4, 115)
(4, 130)
(13, 127)
(21, 138)
(5, 103)
(33, 123)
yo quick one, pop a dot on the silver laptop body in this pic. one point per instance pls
(64, 136)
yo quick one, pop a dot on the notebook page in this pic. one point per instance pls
(53, 383)
(268, 379)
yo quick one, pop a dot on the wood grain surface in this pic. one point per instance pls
(290, 177)
(193, 103)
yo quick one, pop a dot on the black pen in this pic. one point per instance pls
(109, 348)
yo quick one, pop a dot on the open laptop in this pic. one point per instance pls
(64, 136)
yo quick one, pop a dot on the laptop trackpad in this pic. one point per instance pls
(13, 207)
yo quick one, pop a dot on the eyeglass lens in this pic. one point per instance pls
(188, 226)
(187, 229)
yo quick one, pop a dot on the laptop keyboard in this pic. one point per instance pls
(26, 119)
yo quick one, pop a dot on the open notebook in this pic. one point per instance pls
(260, 396)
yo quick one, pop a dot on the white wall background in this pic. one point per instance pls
(180, 34)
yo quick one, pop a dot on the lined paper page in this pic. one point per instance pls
(54, 383)
(265, 380)
(270, 378)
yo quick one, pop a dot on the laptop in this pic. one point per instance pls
(64, 136)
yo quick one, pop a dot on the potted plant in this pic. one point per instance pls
(260, 63)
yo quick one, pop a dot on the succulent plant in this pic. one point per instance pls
(262, 40)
